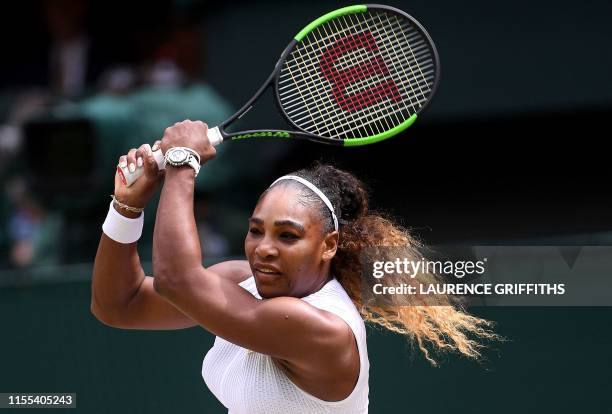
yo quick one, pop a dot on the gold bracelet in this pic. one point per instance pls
(125, 206)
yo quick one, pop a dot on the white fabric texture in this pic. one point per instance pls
(247, 382)
(122, 229)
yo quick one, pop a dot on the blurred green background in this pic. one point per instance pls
(557, 361)
(512, 150)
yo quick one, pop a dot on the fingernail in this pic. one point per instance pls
(132, 167)
(155, 147)
(123, 164)
(139, 162)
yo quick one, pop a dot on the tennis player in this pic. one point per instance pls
(288, 320)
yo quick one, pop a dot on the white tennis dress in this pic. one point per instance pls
(247, 382)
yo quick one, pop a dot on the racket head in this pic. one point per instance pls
(357, 75)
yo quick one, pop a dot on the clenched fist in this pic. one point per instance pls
(190, 134)
(143, 189)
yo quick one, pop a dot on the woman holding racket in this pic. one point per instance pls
(289, 320)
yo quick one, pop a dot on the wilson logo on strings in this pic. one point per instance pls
(342, 78)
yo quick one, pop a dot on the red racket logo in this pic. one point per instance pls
(342, 78)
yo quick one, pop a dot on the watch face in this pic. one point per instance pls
(178, 155)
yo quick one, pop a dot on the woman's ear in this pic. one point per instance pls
(330, 245)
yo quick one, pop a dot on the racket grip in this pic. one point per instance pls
(214, 136)
(128, 178)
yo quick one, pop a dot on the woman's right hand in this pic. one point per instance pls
(141, 191)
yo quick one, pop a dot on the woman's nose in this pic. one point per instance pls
(266, 249)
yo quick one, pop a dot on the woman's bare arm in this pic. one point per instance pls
(123, 297)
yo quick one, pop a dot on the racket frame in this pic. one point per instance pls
(274, 77)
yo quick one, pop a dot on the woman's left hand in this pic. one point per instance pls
(190, 134)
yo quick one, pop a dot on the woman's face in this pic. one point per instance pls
(288, 253)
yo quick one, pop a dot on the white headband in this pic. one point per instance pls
(314, 190)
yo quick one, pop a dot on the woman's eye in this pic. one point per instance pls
(289, 236)
(254, 231)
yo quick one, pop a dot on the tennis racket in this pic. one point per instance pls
(355, 76)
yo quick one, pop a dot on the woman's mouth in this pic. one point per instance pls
(266, 272)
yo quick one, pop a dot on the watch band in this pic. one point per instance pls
(193, 163)
(190, 160)
(192, 152)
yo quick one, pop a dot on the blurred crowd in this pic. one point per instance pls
(85, 82)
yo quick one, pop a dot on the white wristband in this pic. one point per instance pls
(122, 229)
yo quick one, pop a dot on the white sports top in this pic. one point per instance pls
(247, 382)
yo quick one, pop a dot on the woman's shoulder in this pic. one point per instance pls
(334, 298)
(235, 270)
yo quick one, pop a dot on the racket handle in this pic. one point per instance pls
(128, 178)
(214, 136)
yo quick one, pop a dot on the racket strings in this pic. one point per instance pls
(357, 76)
(370, 82)
(417, 52)
(352, 60)
(362, 46)
(412, 72)
(381, 112)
